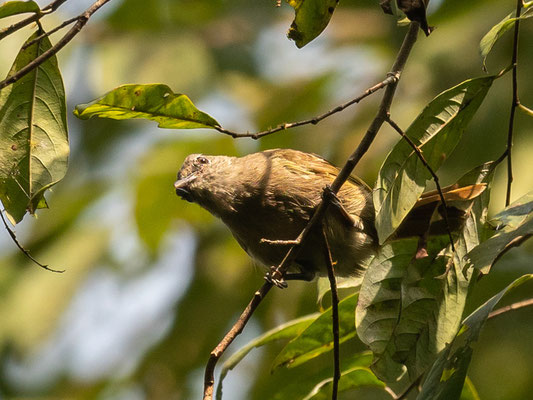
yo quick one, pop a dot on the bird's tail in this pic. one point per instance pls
(427, 216)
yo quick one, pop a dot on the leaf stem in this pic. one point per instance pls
(22, 249)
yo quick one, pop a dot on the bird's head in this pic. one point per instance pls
(203, 177)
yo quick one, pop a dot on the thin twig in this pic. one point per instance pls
(418, 152)
(345, 172)
(48, 33)
(209, 377)
(511, 307)
(82, 19)
(50, 8)
(514, 104)
(22, 249)
(334, 315)
(315, 120)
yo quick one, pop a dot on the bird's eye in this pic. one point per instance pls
(201, 160)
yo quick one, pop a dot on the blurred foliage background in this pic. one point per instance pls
(152, 282)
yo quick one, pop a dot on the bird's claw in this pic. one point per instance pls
(272, 277)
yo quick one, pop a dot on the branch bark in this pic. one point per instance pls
(514, 105)
(82, 20)
(344, 174)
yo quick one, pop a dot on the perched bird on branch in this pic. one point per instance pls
(267, 198)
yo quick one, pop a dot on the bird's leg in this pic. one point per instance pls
(273, 276)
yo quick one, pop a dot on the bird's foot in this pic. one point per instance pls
(275, 277)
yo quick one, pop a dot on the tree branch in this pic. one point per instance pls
(511, 307)
(345, 172)
(82, 19)
(50, 8)
(514, 105)
(315, 120)
(334, 315)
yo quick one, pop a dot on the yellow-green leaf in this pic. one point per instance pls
(311, 18)
(156, 102)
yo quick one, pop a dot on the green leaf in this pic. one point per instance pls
(308, 382)
(323, 285)
(33, 133)
(155, 102)
(318, 337)
(353, 378)
(410, 309)
(437, 130)
(514, 225)
(10, 8)
(469, 391)
(497, 31)
(287, 330)
(311, 18)
(446, 377)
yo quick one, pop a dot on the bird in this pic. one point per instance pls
(267, 198)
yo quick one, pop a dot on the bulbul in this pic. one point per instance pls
(267, 198)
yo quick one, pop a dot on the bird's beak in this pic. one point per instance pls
(181, 186)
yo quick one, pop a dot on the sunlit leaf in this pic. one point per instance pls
(33, 133)
(311, 18)
(446, 378)
(318, 337)
(489, 40)
(10, 8)
(469, 391)
(353, 378)
(436, 131)
(156, 102)
(513, 225)
(288, 330)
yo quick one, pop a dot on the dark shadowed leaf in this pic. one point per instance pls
(310, 384)
(416, 11)
(311, 18)
(156, 102)
(33, 133)
(497, 31)
(408, 309)
(288, 330)
(10, 8)
(513, 226)
(437, 130)
(318, 337)
(446, 378)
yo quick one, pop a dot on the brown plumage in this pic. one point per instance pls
(271, 195)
